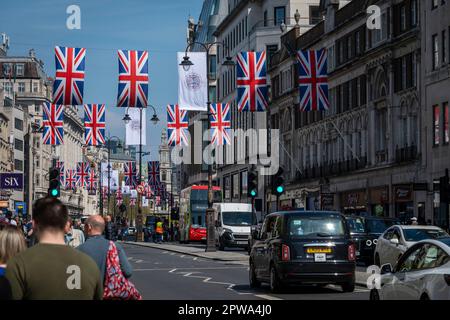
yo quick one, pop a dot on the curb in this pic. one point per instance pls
(194, 254)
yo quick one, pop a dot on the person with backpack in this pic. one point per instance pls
(111, 261)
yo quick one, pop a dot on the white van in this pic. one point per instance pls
(233, 224)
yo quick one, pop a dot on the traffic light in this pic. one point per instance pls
(278, 183)
(175, 214)
(444, 188)
(54, 186)
(252, 184)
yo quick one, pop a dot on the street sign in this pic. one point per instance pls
(11, 181)
(140, 189)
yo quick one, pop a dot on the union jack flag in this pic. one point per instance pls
(148, 192)
(153, 173)
(82, 174)
(220, 119)
(313, 80)
(71, 179)
(251, 81)
(177, 126)
(91, 181)
(62, 174)
(130, 174)
(133, 78)
(94, 124)
(53, 124)
(69, 80)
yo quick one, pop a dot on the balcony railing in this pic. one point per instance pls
(405, 154)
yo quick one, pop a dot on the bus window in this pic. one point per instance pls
(199, 220)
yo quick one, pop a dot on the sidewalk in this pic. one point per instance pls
(235, 257)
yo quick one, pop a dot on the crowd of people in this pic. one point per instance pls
(55, 257)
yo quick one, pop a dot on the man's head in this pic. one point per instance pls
(108, 218)
(94, 225)
(49, 214)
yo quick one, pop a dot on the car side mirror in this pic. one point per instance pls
(395, 241)
(386, 268)
(255, 235)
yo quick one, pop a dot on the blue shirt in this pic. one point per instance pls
(2, 271)
(97, 248)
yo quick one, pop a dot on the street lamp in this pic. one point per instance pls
(186, 64)
(127, 120)
(119, 146)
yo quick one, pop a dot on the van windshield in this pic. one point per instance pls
(307, 227)
(237, 218)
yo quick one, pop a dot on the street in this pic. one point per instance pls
(160, 274)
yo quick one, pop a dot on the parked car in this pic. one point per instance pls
(303, 247)
(394, 242)
(365, 231)
(423, 272)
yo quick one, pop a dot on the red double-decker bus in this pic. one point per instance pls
(193, 205)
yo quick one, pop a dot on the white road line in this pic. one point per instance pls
(172, 270)
(267, 297)
(130, 258)
(164, 252)
(195, 258)
(139, 261)
(172, 253)
(182, 256)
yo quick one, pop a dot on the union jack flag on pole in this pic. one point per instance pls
(91, 181)
(130, 174)
(133, 79)
(220, 119)
(69, 80)
(53, 118)
(62, 173)
(94, 124)
(177, 126)
(82, 174)
(313, 80)
(251, 81)
(153, 173)
(71, 179)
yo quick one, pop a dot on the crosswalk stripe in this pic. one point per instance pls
(267, 297)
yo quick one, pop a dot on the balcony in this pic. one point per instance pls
(406, 154)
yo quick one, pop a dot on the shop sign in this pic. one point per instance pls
(402, 193)
(327, 201)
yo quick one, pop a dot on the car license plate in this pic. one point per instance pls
(320, 257)
(318, 250)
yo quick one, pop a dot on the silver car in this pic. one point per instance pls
(422, 273)
(394, 242)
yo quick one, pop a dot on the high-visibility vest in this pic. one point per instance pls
(159, 227)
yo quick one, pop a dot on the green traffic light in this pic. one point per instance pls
(54, 192)
(280, 189)
(253, 193)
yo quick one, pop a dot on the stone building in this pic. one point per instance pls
(252, 26)
(435, 42)
(365, 154)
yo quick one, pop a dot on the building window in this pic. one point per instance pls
(18, 165)
(402, 18)
(434, 4)
(435, 51)
(21, 87)
(314, 15)
(446, 136)
(18, 124)
(236, 186)
(444, 47)
(7, 86)
(20, 69)
(18, 144)
(244, 182)
(265, 18)
(436, 115)
(413, 13)
(280, 15)
(35, 87)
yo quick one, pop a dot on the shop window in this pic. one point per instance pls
(436, 124)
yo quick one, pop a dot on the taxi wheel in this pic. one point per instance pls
(254, 283)
(275, 284)
(348, 286)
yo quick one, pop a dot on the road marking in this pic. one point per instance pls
(182, 256)
(139, 261)
(195, 258)
(172, 270)
(130, 258)
(267, 297)
(188, 268)
(164, 252)
(172, 253)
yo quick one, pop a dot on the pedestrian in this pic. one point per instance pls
(414, 221)
(12, 242)
(109, 228)
(73, 237)
(159, 231)
(102, 251)
(52, 270)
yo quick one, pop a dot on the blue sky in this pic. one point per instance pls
(107, 25)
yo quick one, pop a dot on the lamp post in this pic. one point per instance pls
(108, 146)
(154, 120)
(186, 64)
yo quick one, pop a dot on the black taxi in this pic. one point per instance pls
(303, 247)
